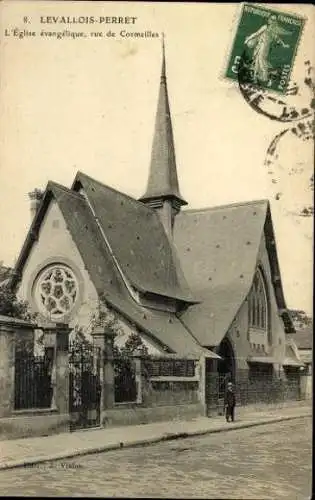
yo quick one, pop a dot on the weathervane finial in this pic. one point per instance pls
(163, 73)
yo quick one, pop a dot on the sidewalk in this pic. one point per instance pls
(27, 451)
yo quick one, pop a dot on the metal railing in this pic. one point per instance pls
(252, 388)
(125, 380)
(33, 387)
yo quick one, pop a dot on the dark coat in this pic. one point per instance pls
(229, 398)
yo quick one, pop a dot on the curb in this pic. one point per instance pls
(144, 442)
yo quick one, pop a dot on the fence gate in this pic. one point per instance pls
(84, 386)
(215, 389)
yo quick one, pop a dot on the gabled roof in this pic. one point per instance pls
(110, 227)
(86, 235)
(275, 272)
(138, 241)
(218, 248)
(163, 327)
(163, 181)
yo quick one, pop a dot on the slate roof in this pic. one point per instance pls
(218, 249)
(109, 227)
(138, 241)
(163, 327)
(163, 180)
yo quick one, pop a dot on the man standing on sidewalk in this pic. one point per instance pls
(229, 402)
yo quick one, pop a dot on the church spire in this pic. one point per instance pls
(163, 188)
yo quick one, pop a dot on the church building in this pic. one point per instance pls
(191, 282)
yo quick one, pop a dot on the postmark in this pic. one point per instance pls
(283, 109)
(260, 53)
(265, 43)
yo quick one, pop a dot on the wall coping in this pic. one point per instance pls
(34, 411)
(174, 379)
(16, 322)
(145, 406)
(123, 404)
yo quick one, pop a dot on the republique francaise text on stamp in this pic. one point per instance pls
(265, 42)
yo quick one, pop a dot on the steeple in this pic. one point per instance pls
(163, 190)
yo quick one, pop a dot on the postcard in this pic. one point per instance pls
(156, 217)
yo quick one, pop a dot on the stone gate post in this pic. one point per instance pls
(201, 372)
(104, 338)
(303, 376)
(62, 368)
(138, 375)
(57, 336)
(7, 355)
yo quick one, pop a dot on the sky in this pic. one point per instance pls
(89, 104)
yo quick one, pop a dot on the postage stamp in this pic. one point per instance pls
(265, 44)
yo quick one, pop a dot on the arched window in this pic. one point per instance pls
(258, 303)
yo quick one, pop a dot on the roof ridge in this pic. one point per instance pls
(168, 281)
(52, 185)
(110, 188)
(227, 205)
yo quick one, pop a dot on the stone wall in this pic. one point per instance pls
(133, 414)
(170, 392)
(31, 421)
(160, 398)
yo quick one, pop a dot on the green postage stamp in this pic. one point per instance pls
(264, 46)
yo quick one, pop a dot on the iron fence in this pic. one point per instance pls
(125, 376)
(252, 388)
(33, 383)
(125, 380)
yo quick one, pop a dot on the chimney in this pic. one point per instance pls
(35, 198)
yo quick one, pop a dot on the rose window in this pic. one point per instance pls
(57, 291)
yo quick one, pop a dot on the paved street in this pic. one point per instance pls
(268, 461)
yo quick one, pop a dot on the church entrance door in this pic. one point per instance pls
(218, 374)
(226, 365)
